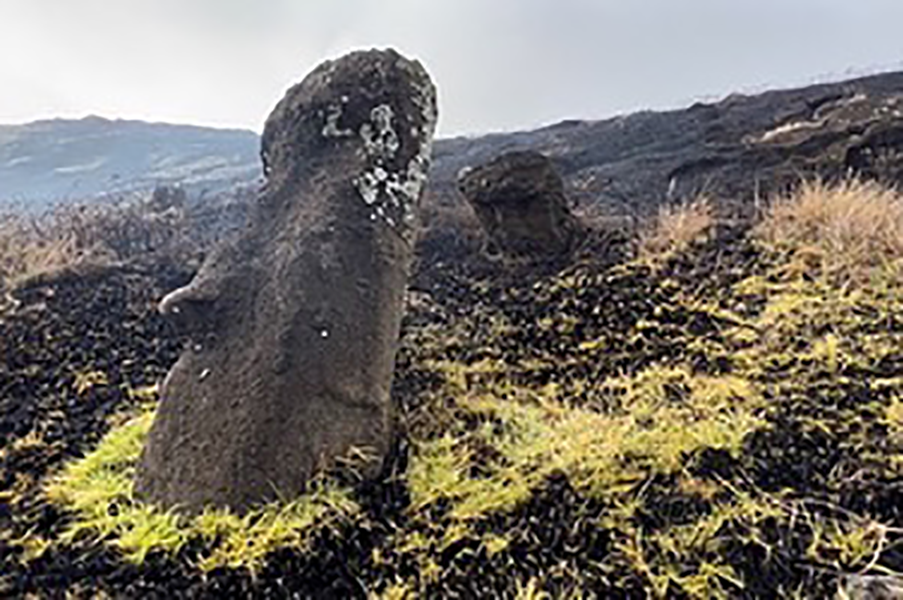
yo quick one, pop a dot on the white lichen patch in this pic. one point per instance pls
(380, 138)
(331, 128)
(392, 193)
(413, 182)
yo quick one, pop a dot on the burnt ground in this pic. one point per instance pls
(77, 347)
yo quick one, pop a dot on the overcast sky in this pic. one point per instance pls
(499, 64)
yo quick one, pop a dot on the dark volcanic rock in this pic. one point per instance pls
(294, 327)
(520, 201)
(860, 587)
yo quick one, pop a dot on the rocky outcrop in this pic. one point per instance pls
(872, 587)
(519, 199)
(294, 326)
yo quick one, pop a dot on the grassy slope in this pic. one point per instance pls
(721, 418)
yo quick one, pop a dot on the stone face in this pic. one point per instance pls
(520, 202)
(294, 326)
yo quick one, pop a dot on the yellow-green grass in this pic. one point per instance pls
(99, 490)
(606, 456)
(601, 453)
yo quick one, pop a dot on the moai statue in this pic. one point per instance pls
(294, 326)
(520, 202)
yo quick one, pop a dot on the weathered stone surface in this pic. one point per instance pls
(520, 202)
(872, 587)
(294, 326)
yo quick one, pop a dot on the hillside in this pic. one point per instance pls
(60, 160)
(741, 147)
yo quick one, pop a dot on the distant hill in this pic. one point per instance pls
(63, 160)
(738, 148)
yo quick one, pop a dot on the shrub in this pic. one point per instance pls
(676, 227)
(31, 245)
(842, 230)
(97, 233)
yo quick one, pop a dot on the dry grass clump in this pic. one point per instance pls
(29, 246)
(842, 230)
(676, 227)
(70, 236)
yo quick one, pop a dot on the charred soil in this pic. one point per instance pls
(723, 421)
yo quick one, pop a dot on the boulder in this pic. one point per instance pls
(872, 587)
(520, 202)
(294, 325)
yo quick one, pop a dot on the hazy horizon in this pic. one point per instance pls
(508, 65)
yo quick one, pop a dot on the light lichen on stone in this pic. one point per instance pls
(393, 194)
(380, 138)
(333, 114)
